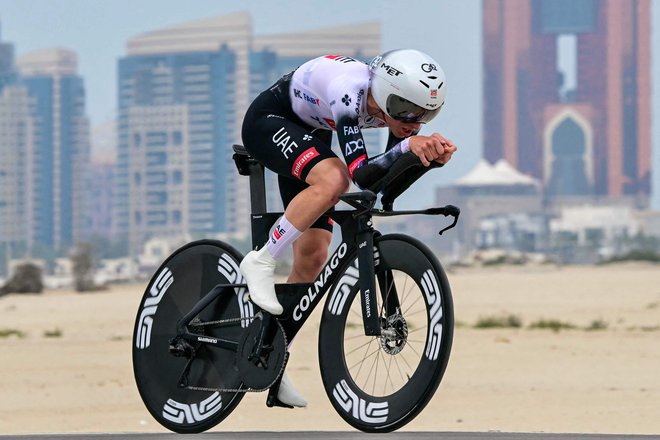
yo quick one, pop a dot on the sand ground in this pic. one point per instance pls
(600, 381)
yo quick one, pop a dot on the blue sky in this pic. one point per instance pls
(449, 30)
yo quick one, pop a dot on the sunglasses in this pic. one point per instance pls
(402, 110)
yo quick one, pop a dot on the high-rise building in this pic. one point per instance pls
(183, 92)
(567, 93)
(7, 68)
(57, 164)
(16, 142)
(44, 152)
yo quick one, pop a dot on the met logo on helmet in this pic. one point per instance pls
(391, 70)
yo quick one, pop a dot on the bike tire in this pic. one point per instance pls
(182, 279)
(364, 397)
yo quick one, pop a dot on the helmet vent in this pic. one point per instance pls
(427, 86)
(432, 77)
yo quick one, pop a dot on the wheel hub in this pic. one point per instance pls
(394, 334)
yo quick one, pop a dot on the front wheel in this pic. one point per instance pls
(380, 383)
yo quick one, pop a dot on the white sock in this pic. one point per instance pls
(283, 235)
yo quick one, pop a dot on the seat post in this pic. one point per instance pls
(248, 166)
(257, 188)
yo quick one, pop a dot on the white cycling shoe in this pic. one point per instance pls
(287, 393)
(258, 268)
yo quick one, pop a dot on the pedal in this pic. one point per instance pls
(277, 402)
(272, 399)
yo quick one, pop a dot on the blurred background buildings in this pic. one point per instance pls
(566, 168)
(182, 94)
(584, 126)
(44, 153)
(567, 103)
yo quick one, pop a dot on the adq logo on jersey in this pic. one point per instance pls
(353, 146)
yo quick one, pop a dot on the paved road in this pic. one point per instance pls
(337, 436)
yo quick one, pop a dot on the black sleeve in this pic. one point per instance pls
(370, 173)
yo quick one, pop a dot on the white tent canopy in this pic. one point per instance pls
(502, 173)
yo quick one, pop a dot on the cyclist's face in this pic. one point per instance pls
(398, 128)
(401, 129)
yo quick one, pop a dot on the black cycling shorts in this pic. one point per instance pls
(275, 136)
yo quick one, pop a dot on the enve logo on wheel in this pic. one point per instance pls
(181, 413)
(344, 286)
(145, 322)
(368, 412)
(432, 292)
(228, 268)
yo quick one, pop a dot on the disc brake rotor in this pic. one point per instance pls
(397, 334)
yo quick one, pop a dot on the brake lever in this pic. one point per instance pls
(450, 210)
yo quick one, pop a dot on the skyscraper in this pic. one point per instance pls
(183, 92)
(44, 152)
(16, 141)
(567, 93)
(7, 68)
(58, 163)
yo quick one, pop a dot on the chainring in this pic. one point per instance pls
(261, 372)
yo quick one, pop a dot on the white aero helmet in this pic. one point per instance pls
(408, 85)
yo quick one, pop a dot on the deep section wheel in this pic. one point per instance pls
(380, 383)
(179, 379)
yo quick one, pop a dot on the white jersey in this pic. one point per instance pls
(330, 93)
(325, 89)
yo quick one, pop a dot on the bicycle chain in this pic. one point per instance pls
(243, 390)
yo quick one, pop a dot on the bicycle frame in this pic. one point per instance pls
(300, 299)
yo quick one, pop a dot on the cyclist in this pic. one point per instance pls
(288, 128)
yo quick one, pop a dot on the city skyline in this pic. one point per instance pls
(183, 91)
(98, 35)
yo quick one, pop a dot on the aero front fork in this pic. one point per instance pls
(365, 252)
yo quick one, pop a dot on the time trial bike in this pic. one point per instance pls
(385, 334)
